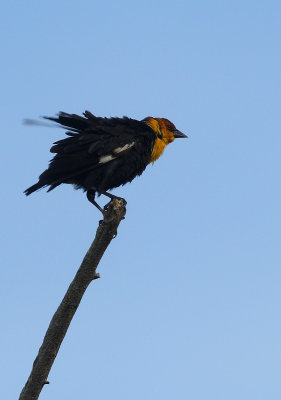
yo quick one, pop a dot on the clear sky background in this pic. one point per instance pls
(188, 304)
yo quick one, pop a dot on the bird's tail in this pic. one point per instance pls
(33, 188)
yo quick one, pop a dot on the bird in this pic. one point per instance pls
(100, 154)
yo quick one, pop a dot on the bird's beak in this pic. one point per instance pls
(179, 134)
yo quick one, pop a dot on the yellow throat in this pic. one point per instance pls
(163, 136)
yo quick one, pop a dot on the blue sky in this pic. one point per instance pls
(188, 304)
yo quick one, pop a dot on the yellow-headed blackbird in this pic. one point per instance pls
(103, 153)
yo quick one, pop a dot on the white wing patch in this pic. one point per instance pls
(126, 147)
(116, 153)
(105, 159)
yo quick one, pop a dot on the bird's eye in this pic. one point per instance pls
(171, 128)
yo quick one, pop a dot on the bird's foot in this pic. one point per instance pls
(91, 197)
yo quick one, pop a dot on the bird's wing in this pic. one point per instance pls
(93, 142)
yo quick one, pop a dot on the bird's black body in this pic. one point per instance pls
(100, 154)
(78, 157)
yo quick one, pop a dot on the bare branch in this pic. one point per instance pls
(60, 322)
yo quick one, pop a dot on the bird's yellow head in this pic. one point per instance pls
(165, 132)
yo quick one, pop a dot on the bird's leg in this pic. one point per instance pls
(111, 196)
(91, 197)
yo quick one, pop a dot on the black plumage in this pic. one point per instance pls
(100, 154)
(77, 158)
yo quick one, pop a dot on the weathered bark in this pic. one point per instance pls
(60, 322)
